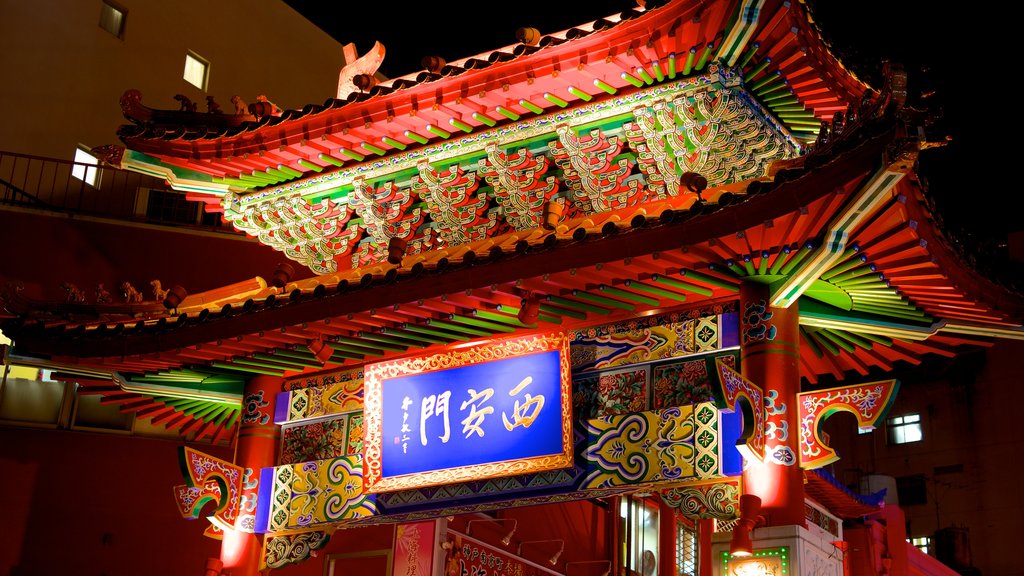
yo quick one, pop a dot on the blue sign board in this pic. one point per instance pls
(478, 414)
(476, 417)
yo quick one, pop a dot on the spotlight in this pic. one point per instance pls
(750, 507)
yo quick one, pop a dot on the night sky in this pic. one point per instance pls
(938, 48)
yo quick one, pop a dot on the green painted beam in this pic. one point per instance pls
(639, 298)
(511, 320)
(403, 333)
(515, 312)
(472, 331)
(247, 369)
(656, 290)
(476, 322)
(603, 300)
(582, 306)
(426, 330)
(359, 342)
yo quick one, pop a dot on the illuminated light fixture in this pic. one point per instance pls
(741, 544)
(321, 350)
(554, 559)
(507, 538)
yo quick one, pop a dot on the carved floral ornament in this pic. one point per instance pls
(712, 130)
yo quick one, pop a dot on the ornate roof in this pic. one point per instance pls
(642, 163)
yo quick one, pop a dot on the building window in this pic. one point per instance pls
(686, 550)
(638, 519)
(904, 429)
(83, 167)
(912, 490)
(112, 18)
(922, 543)
(197, 70)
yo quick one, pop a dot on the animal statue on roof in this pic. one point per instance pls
(159, 292)
(102, 294)
(187, 105)
(356, 65)
(212, 107)
(72, 293)
(131, 295)
(240, 106)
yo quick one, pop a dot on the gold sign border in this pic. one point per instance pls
(373, 379)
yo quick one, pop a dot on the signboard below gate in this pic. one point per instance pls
(496, 409)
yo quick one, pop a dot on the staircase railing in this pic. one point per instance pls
(79, 188)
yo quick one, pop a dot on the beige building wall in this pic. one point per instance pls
(62, 75)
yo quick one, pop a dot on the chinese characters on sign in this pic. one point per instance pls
(482, 415)
(472, 414)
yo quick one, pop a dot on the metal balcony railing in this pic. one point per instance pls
(101, 191)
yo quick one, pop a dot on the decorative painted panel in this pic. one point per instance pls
(654, 338)
(610, 393)
(284, 549)
(315, 441)
(319, 401)
(734, 392)
(868, 402)
(315, 493)
(681, 383)
(655, 446)
(718, 500)
(323, 380)
(209, 479)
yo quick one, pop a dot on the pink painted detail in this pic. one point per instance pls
(200, 472)
(868, 402)
(733, 388)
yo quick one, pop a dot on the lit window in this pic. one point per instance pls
(197, 70)
(639, 522)
(82, 169)
(112, 19)
(686, 550)
(922, 543)
(904, 429)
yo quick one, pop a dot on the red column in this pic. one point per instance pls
(770, 358)
(256, 449)
(705, 560)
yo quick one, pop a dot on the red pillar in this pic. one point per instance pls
(256, 449)
(705, 560)
(770, 358)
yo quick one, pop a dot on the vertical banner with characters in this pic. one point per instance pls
(414, 549)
